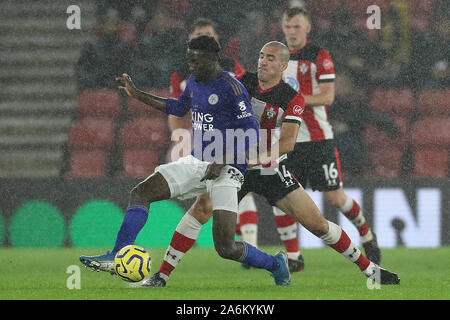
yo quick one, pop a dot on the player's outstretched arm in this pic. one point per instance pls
(147, 98)
(285, 144)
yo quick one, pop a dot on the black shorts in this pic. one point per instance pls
(316, 164)
(273, 187)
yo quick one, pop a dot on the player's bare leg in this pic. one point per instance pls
(351, 209)
(224, 227)
(154, 188)
(287, 229)
(183, 239)
(247, 230)
(298, 204)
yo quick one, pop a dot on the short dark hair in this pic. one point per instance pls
(202, 22)
(293, 11)
(204, 43)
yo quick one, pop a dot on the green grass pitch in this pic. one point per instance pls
(41, 274)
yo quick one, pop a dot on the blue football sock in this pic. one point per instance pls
(257, 258)
(133, 222)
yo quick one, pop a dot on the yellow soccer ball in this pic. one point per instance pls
(132, 263)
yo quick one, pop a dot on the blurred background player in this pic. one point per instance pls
(311, 72)
(316, 158)
(178, 79)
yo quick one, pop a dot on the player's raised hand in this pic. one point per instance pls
(128, 85)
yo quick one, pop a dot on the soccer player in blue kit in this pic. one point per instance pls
(220, 105)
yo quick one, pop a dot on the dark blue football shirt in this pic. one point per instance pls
(222, 119)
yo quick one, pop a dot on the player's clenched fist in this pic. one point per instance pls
(128, 87)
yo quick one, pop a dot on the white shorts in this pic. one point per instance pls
(183, 177)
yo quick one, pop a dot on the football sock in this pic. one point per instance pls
(134, 220)
(337, 239)
(248, 220)
(352, 211)
(257, 258)
(288, 230)
(183, 239)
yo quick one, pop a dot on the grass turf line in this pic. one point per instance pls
(41, 274)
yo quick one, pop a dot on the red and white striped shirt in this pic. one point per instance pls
(307, 68)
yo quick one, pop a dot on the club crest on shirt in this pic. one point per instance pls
(270, 113)
(213, 99)
(303, 68)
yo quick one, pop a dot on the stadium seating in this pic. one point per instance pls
(392, 101)
(376, 137)
(431, 131)
(421, 7)
(91, 133)
(137, 108)
(322, 8)
(141, 140)
(359, 7)
(431, 163)
(138, 163)
(144, 132)
(434, 102)
(99, 102)
(128, 33)
(431, 143)
(87, 164)
(89, 141)
(387, 162)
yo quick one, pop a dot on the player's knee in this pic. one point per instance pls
(225, 252)
(155, 188)
(137, 194)
(202, 210)
(336, 199)
(320, 228)
(140, 194)
(226, 249)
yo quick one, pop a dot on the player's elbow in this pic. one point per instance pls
(290, 146)
(286, 146)
(329, 97)
(330, 102)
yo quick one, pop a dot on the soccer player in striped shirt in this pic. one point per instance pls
(316, 158)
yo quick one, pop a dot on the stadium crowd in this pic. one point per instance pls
(408, 55)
